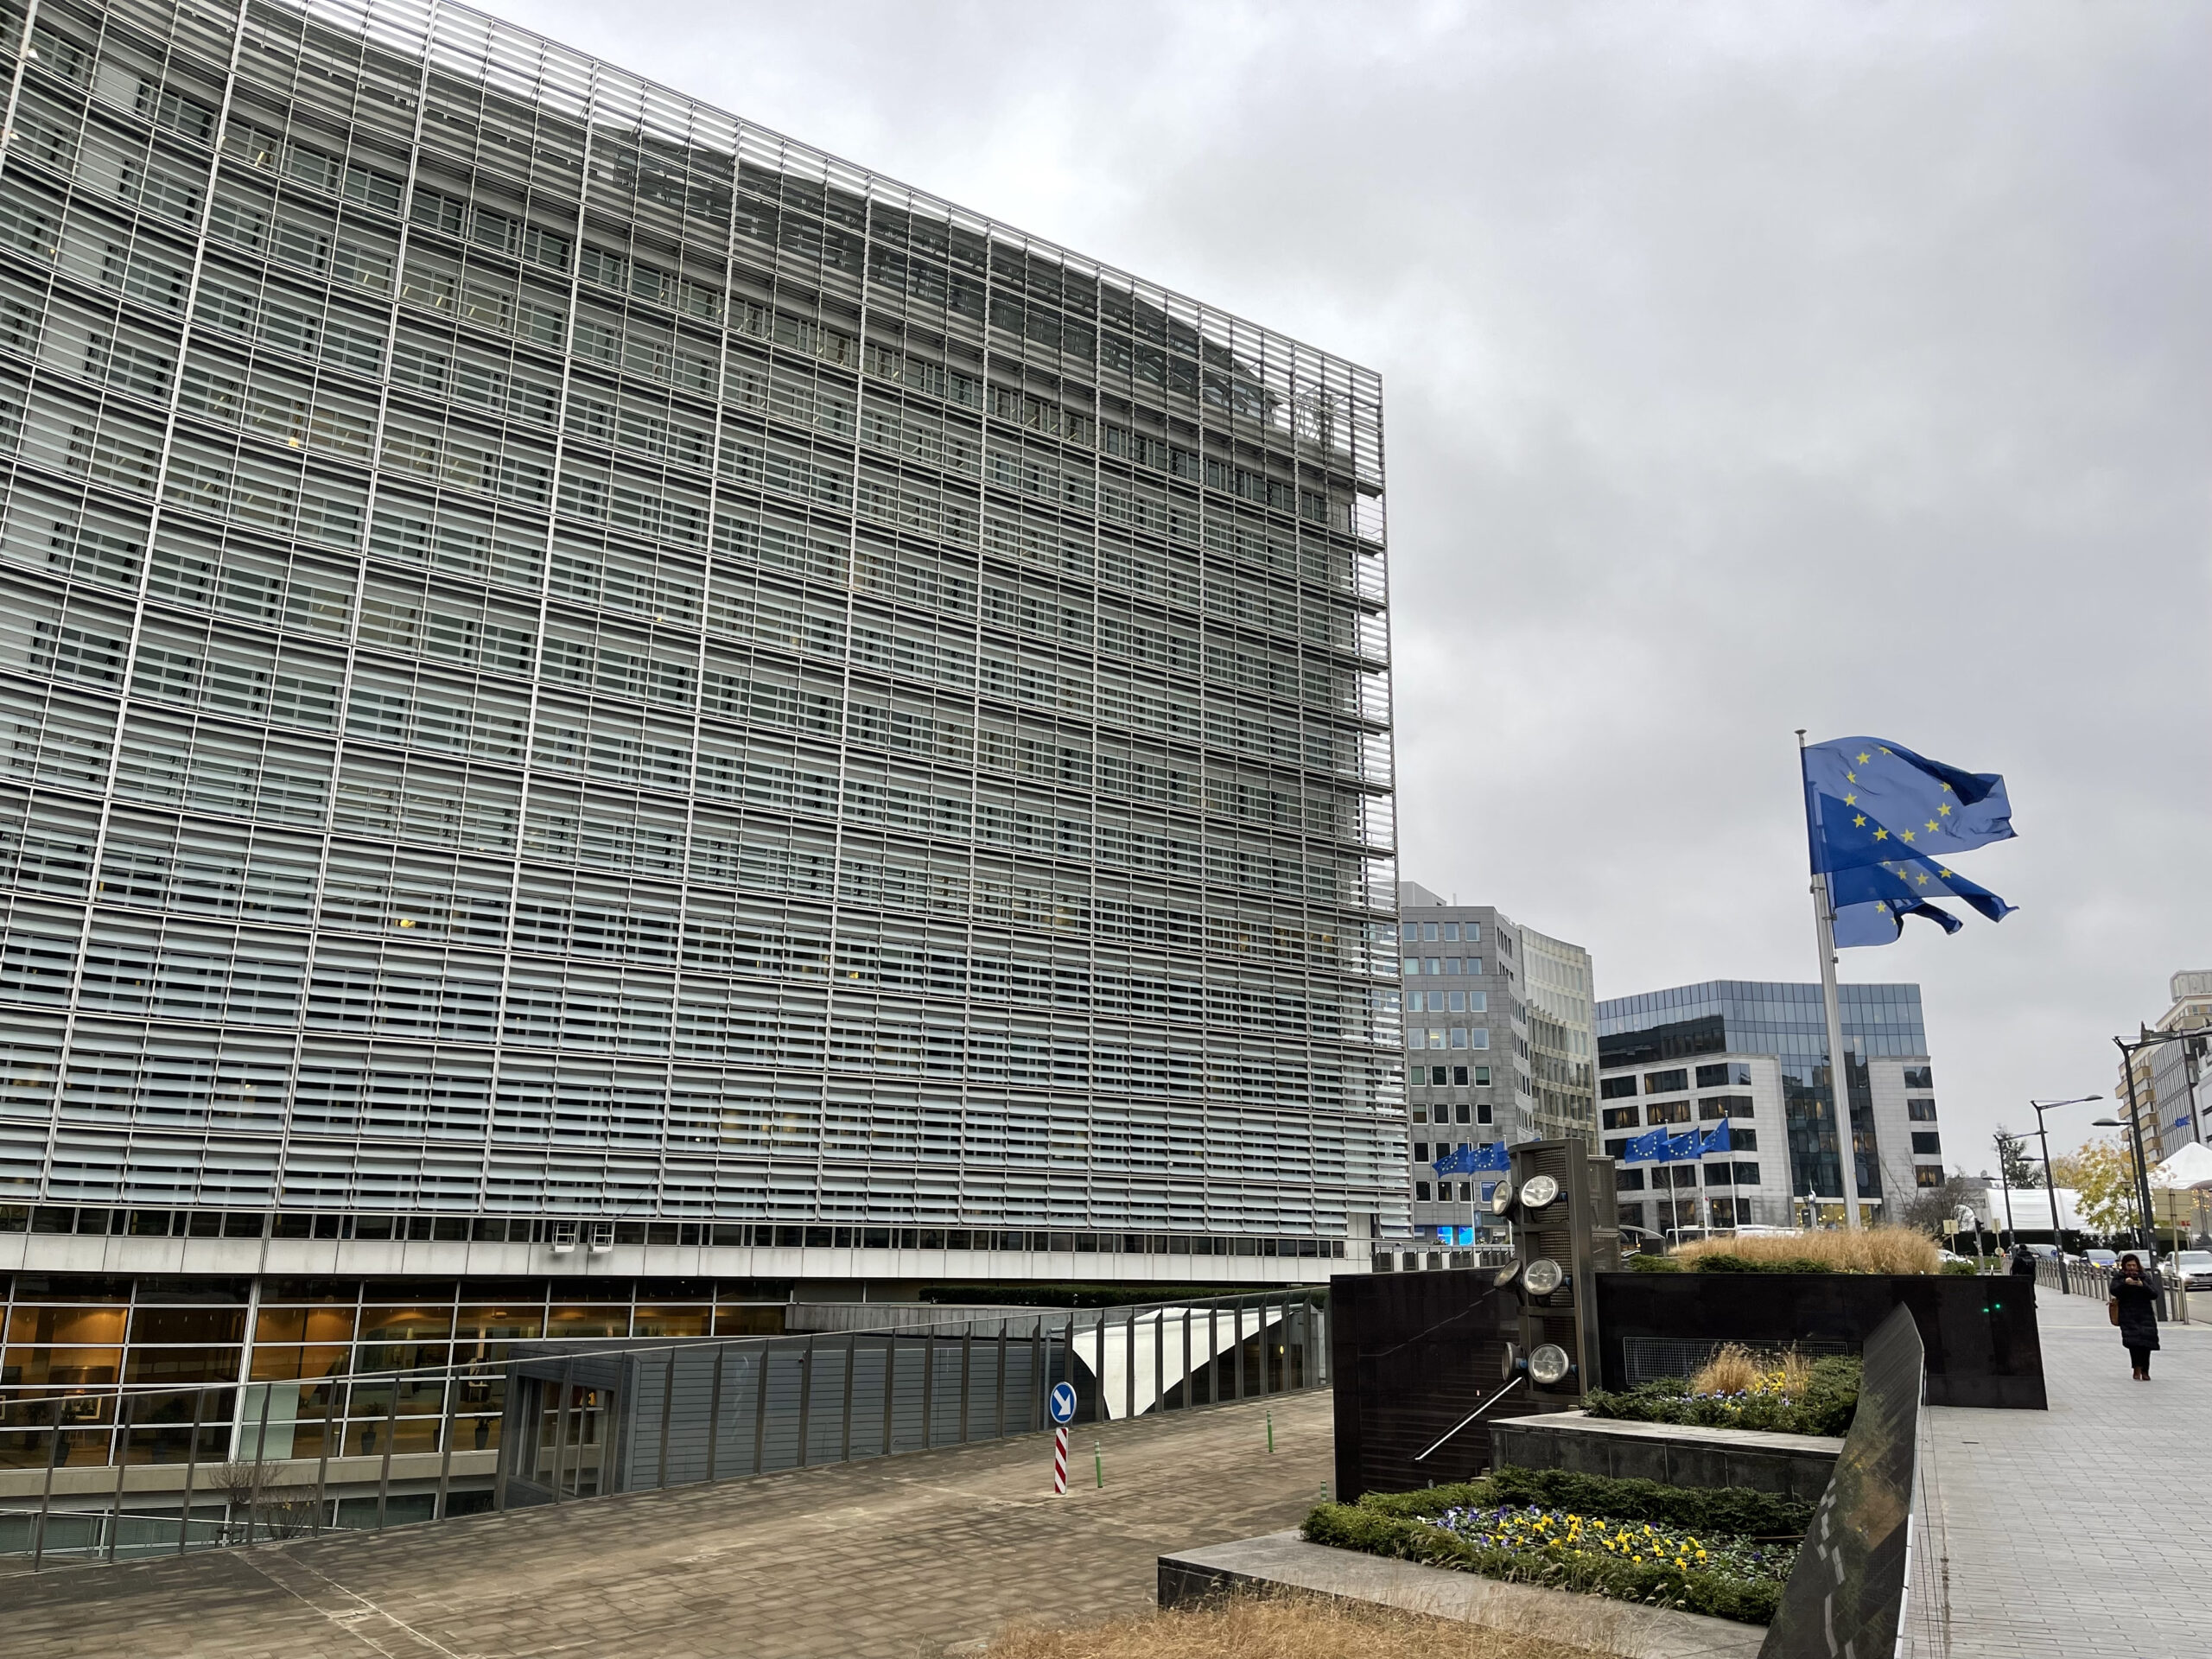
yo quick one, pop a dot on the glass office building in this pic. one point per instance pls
(574, 670)
(1757, 1054)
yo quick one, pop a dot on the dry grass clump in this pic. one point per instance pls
(1871, 1250)
(1738, 1369)
(1288, 1627)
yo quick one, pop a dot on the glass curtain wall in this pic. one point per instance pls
(560, 654)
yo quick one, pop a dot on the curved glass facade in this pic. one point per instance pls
(560, 654)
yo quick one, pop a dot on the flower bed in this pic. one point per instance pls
(1816, 1399)
(1725, 1553)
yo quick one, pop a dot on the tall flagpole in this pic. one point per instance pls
(1838, 1065)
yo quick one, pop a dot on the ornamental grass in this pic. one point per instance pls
(1723, 1552)
(1870, 1249)
(1784, 1394)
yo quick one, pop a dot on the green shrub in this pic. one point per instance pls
(1645, 1261)
(1383, 1526)
(1825, 1406)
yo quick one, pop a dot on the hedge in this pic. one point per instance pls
(1389, 1524)
(1830, 1399)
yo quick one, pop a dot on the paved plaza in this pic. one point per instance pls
(896, 1557)
(2078, 1531)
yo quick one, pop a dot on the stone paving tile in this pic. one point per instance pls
(884, 1559)
(2076, 1531)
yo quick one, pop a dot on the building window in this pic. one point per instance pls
(1617, 1089)
(1743, 1140)
(1460, 1112)
(1478, 1038)
(1626, 1180)
(1932, 1175)
(1421, 1152)
(1482, 1076)
(1923, 1111)
(1720, 1106)
(1477, 1001)
(1620, 1117)
(1421, 1114)
(1459, 1076)
(1458, 1036)
(1729, 1074)
(1668, 1111)
(1466, 1190)
(1923, 1077)
(1420, 1191)
(1474, 965)
(1475, 935)
(1450, 932)
(1428, 932)
(1436, 1074)
(1747, 1174)
(1411, 965)
(1928, 1144)
(1482, 1113)
(1665, 1083)
(1718, 1175)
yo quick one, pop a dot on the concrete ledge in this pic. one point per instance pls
(97, 1480)
(1794, 1465)
(1284, 1561)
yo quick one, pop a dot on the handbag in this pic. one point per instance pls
(2112, 1309)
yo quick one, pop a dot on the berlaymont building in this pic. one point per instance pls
(602, 708)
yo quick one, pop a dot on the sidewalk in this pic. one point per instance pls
(2077, 1531)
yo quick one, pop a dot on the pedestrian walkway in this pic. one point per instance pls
(2077, 1531)
(896, 1558)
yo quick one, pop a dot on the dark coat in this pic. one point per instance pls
(2138, 1311)
(2024, 1264)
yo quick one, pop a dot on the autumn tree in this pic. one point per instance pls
(2104, 1186)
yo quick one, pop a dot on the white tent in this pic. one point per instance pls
(2190, 1167)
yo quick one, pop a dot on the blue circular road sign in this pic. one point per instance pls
(1063, 1403)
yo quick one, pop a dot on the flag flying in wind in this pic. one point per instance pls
(1882, 822)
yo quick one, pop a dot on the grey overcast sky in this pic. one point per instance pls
(1746, 367)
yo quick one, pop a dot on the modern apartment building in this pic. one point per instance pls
(2169, 1078)
(1755, 1055)
(1501, 1046)
(591, 690)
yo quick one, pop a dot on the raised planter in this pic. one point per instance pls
(1978, 1331)
(1679, 1454)
(1283, 1560)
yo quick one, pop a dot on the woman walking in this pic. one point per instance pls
(2134, 1306)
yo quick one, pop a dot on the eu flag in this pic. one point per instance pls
(1716, 1141)
(1882, 822)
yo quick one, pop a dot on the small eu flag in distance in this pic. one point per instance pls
(1882, 822)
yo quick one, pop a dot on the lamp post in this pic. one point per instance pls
(2050, 1192)
(2004, 1175)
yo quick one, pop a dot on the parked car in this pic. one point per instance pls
(2189, 1270)
(2101, 1258)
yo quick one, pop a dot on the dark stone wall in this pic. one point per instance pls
(1410, 1355)
(1978, 1333)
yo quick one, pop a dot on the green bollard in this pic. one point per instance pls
(1099, 1464)
(1271, 1434)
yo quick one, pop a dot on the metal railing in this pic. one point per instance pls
(2088, 1279)
(603, 1417)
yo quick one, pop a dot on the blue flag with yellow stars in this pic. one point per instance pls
(1882, 822)
(1867, 800)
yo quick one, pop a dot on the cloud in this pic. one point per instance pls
(1747, 367)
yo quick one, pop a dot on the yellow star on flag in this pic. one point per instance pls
(1851, 800)
(1881, 835)
(1931, 824)
(1907, 835)
(1859, 821)
(1864, 759)
(1923, 878)
(1942, 872)
(1944, 810)
(1947, 789)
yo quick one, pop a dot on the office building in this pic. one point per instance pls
(590, 690)
(1501, 1046)
(1756, 1056)
(2169, 1078)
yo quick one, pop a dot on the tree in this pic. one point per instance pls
(2104, 1186)
(1929, 1207)
(2014, 1168)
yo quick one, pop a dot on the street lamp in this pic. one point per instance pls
(2049, 1191)
(2005, 1176)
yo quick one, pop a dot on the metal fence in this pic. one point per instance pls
(214, 1472)
(2088, 1279)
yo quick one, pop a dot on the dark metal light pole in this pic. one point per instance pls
(2004, 1177)
(2050, 1192)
